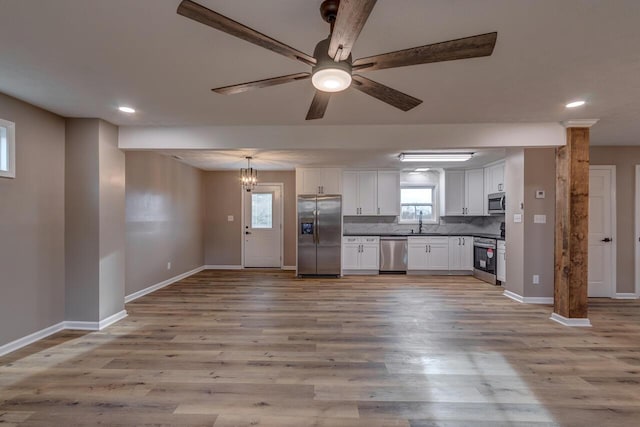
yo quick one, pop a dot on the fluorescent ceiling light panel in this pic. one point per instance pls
(575, 104)
(435, 157)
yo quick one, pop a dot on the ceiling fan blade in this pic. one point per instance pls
(258, 84)
(385, 93)
(352, 15)
(213, 19)
(468, 47)
(318, 105)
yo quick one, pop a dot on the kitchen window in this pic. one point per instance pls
(7, 149)
(415, 201)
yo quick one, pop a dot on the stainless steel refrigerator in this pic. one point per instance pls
(319, 235)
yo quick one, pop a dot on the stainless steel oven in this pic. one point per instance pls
(496, 203)
(484, 259)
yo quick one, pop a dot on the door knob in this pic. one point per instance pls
(606, 239)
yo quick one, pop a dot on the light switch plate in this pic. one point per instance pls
(517, 217)
(539, 219)
(540, 194)
(230, 218)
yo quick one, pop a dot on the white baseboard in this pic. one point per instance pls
(575, 322)
(31, 338)
(289, 267)
(222, 267)
(153, 288)
(620, 295)
(112, 319)
(95, 326)
(528, 300)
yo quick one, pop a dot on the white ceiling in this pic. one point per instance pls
(82, 58)
(290, 159)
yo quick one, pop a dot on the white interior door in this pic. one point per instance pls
(262, 226)
(601, 260)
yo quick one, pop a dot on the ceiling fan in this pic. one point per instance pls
(332, 68)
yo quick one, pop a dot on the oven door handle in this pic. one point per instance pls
(482, 245)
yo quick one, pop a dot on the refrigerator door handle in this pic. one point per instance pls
(315, 227)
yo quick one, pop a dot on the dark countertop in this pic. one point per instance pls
(486, 235)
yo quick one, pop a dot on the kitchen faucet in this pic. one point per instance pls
(420, 222)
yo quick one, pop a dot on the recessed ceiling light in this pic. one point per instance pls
(575, 104)
(126, 109)
(435, 157)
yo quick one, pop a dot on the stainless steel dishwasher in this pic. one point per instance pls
(393, 254)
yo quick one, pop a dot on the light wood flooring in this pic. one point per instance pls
(262, 348)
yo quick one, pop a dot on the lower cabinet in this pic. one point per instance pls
(360, 253)
(461, 253)
(501, 261)
(428, 253)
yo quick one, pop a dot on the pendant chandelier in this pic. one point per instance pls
(248, 176)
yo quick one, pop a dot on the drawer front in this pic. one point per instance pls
(352, 239)
(417, 240)
(438, 240)
(371, 239)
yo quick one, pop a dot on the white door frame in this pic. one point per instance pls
(614, 228)
(636, 238)
(242, 222)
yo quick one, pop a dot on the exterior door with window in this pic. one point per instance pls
(262, 227)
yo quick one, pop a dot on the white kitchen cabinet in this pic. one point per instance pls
(501, 261)
(388, 193)
(464, 192)
(319, 181)
(361, 253)
(360, 195)
(494, 178)
(461, 253)
(428, 253)
(454, 196)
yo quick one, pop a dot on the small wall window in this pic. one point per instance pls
(7, 149)
(416, 201)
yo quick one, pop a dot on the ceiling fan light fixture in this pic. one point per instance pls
(331, 80)
(435, 157)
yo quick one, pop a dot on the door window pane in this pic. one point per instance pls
(4, 150)
(262, 210)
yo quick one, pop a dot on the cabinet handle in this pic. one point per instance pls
(426, 248)
(463, 242)
(459, 241)
(378, 211)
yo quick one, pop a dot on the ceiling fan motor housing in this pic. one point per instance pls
(321, 53)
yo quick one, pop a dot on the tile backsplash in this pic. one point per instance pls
(389, 225)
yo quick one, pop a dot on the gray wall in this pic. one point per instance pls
(625, 159)
(223, 242)
(95, 240)
(539, 246)
(514, 176)
(164, 219)
(32, 223)
(82, 206)
(112, 223)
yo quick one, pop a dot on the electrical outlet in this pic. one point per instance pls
(169, 266)
(536, 279)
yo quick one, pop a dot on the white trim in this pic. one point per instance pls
(11, 149)
(614, 225)
(242, 224)
(637, 235)
(622, 295)
(528, 300)
(31, 338)
(579, 123)
(574, 321)
(111, 319)
(153, 288)
(223, 267)
(289, 267)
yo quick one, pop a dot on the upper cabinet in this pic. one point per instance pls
(494, 178)
(389, 193)
(318, 181)
(371, 193)
(464, 192)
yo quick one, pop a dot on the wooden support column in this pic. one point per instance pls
(572, 227)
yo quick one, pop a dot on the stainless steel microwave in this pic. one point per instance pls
(496, 203)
